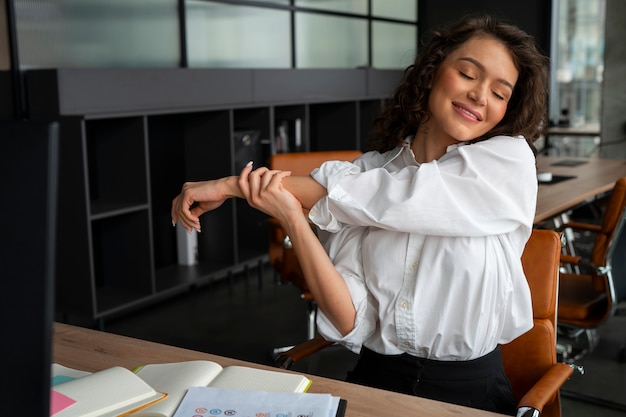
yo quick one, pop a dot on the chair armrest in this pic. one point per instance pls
(570, 259)
(580, 261)
(301, 351)
(545, 390)
(580, 226)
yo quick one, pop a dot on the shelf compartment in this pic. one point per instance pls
(122, 260)
(116, 163)
(252, 229)
(189, 147)
(294, 119)
(333, 126)
(254, 122)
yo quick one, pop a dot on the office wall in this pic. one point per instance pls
(531, 15)
(6, 103)
(5, 61)
(613, 113)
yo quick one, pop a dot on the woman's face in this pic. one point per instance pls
(471, 89)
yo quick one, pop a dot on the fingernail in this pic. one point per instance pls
(249, 164)
(173, 223)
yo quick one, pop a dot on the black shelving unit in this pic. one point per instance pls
(131, 137)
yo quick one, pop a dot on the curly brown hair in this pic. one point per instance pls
(526, 113)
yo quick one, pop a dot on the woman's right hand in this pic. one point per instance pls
(264, 190)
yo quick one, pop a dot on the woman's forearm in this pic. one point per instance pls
(325, 283)
(304, 188)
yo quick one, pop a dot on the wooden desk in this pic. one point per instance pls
(585, 130)
(92, 350)
(595, 177)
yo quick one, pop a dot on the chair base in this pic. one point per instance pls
(574, 344)
(276, 352)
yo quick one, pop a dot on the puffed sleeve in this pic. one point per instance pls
(479, 189)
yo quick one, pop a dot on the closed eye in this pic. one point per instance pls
(498, 96)
(464, 75)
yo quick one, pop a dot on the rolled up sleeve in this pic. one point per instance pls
(345, 251)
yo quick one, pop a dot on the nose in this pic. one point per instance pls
(478, 95)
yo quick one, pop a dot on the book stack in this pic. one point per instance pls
(186, 389)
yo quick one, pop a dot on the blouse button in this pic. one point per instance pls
(312, 213)
(414, 265)
(404, 305)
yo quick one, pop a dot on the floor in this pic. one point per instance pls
(245, 320)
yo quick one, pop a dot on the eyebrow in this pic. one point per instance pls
(482, 67)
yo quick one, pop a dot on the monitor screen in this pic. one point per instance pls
(28, 200)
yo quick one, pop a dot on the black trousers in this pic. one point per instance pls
(479, 383)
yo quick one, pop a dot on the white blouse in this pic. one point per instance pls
(431, 252)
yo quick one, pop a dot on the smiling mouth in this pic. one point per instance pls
(469, 113)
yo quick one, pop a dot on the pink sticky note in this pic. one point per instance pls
(59, 402)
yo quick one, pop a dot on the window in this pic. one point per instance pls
(576, 77)
(217, 33)
(97, 33)
(577, 70)
(233, 36)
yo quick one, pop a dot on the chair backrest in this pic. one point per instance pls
(604, 248)
(615, 274)
(618, 263)
(613, 214)
(302, 163)
(528, 358)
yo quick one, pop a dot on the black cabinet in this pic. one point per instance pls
(131, 137)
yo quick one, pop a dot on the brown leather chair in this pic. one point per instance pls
(530, 360)
(282, 257)
(587, 295)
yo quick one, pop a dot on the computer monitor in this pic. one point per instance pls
(28, 205)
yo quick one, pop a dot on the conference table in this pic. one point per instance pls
(575, 181)
(592, 129)
(94, 350)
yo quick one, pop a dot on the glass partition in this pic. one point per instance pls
(396, 9)
(216, 33)
(393, 45)
(97, 33)
(577, 70)
(233, 36)
(346, 6)
(576, 77)
(324, 41)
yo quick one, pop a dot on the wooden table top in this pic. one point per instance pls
(592, 129)
(592, 177)
(92, 350)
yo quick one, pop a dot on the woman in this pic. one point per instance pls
(420, 271)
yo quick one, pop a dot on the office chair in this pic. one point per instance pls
(587, 296)
(530, 361)
(282, 257)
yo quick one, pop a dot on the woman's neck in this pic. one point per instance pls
(426, 147)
